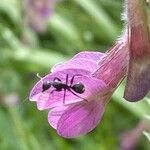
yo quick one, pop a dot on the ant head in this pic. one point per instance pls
(78, 88)
(46, 85)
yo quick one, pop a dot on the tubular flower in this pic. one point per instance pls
(138, 79)
(71, 112)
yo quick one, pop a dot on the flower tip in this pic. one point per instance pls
(131, 98)
(133, 95)
(138, 80)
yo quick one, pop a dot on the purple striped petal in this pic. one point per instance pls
(76, 64)
(94, 56)
(83, 60)
(80, 119)
(55, 114)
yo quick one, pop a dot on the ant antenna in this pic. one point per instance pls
(39, 77)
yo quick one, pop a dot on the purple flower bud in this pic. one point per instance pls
(138, 79)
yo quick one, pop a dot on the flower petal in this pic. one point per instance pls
(94, 56)
(76, 64)
(81, 118)
(82, 60)
(55, 114)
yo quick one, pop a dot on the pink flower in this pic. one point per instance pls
(138, 79)
(99, 74)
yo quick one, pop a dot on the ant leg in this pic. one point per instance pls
(67, 79)
(77, 95)
(71, 81)
(65, 89)
(51, 93)
(64, 96)
(40, 77)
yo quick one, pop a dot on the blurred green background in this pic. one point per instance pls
(75, 25)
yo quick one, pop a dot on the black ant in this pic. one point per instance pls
(59, 86)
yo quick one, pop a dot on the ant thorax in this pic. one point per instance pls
(78, 88)
(58, 85)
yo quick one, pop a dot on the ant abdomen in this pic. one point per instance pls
(78, 88)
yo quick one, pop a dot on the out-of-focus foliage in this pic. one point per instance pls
(76, 25)
(147, 117)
